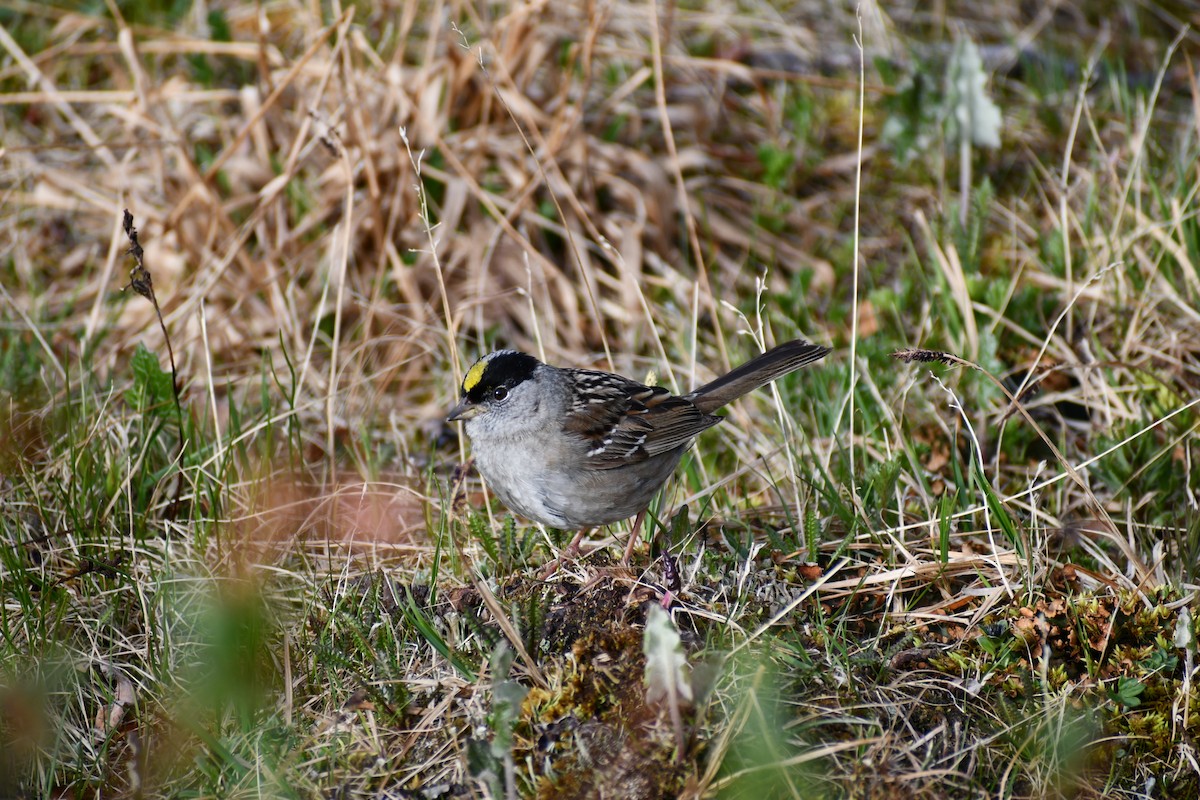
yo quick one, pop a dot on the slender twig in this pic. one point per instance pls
(922, 356)
(141, 282)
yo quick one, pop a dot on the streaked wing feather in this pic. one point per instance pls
(677, 427)
(628, 422)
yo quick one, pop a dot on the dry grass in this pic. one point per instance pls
(889, 583)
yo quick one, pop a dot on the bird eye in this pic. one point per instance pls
(499, 393)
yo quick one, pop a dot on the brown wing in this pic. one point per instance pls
(626, 422)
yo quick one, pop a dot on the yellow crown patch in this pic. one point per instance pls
(474, 376)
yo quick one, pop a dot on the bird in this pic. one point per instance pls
(576, 449)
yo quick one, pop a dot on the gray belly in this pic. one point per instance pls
(573, 498)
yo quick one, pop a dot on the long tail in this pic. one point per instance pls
(757, 372)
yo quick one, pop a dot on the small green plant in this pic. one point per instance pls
(492, 761)
(1004, 650)
(1127, 692)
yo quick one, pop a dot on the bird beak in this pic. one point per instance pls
(463, 411)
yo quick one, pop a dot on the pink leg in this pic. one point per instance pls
(569, 551)
(634, 535)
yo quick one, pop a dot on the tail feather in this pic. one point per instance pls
(756, 372)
